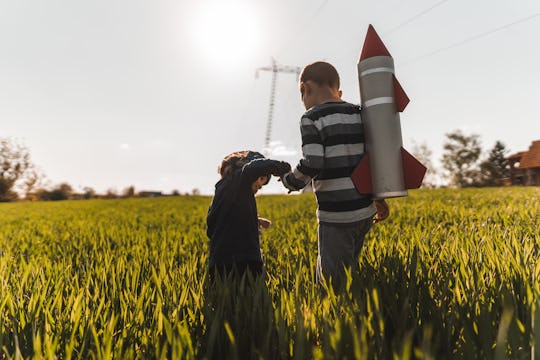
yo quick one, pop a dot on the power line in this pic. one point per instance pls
(303, 27)
(470, 39)
(410, 20)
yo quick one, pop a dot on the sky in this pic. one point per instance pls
(153, 94)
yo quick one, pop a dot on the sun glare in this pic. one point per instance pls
(226, 33)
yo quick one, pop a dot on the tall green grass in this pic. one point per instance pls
(451, 274)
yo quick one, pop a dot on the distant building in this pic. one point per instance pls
(525, 166)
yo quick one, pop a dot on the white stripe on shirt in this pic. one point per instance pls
(313, 150)
(344, 150)
(332, 119)
(345, 217)
(344, 183)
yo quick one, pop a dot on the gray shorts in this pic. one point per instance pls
(339, 247)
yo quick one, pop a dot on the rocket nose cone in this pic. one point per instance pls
(373, 45)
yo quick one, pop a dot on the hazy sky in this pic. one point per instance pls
(154, 93)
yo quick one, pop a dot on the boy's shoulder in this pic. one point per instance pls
(342, 107)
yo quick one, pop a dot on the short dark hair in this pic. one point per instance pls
(321, 73)
(237, 160)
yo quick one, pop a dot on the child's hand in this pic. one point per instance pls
(282, 168)
(264, 224)
(382, 211)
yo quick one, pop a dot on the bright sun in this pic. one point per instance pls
(226, 32)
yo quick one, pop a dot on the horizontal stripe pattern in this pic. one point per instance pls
(346, 217)
(379, 101)
(377, 70)
(339, 195)
(333, 143)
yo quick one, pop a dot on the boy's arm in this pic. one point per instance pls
(312, 161)
(264, 167)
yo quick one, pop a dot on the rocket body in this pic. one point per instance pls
(386, 170)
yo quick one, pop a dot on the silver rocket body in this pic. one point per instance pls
(382, 126)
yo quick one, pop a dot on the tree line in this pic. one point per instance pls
(464, 165)
(20, 179)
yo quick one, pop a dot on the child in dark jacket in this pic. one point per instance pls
(232, 222)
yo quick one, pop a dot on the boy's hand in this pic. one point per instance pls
(382, 211)
(264, 224)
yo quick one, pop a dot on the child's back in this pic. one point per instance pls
(232, 221)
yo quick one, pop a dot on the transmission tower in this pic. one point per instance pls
(275, 68)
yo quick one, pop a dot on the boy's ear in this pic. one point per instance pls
(305, 88)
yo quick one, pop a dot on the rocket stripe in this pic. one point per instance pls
(379, 101)
(376, 70)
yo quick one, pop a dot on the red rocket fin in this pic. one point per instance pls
(401, 98)
(413, 170)
(361, 176)
(373, 45)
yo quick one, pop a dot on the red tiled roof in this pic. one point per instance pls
(516, 155)
(531, 158)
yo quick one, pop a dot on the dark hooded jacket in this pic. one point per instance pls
(232, 221)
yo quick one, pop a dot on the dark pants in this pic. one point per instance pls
(339, 247)
(236, 270)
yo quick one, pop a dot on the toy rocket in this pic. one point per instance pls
(386, 169)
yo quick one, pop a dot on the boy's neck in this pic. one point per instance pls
(327, 96)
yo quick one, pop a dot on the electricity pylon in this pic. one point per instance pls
(275, 68)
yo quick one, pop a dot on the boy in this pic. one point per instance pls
(232, 222)
(332, 145)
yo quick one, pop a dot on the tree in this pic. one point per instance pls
(496, 168)
(460, 158)
(129, 192)
(110, 194)
(423, 154)
(15, 169)
(60, 192)
(31, 182)
(89, 193)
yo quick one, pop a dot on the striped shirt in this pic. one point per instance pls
(332, 146)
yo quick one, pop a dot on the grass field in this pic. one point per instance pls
(452, 274)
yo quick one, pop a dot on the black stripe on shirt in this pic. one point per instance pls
(311, 139)
(340, 139)
(336, 173)
(332, 108)
(349, 205)
(341, 128)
